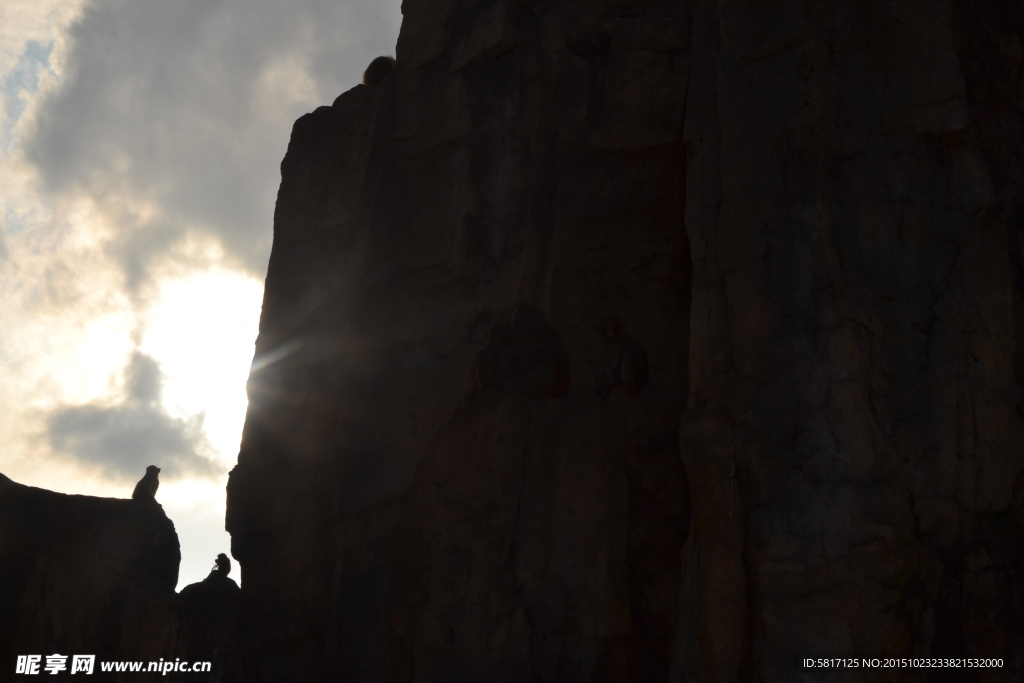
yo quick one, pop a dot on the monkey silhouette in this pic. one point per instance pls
(221, 568)
(629, 367)
(378, 70)
(212, 595)
(145, 490)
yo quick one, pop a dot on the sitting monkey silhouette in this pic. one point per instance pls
(145, 490)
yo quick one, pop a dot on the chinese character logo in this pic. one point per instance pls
(82, 664)
(28, 664)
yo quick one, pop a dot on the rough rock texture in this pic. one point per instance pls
(853, 432)
(806, 219)
(84, 575)
(392, 517)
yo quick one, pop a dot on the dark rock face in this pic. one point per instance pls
(208, 625)
(527, 357)
(776, 250)
(84, 575)
(387, 481)
(539, 544)
(853, 432)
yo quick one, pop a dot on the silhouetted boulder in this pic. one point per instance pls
(85, 575)
(209, 621)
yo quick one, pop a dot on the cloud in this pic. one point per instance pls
(17, 85)
(173, 116)
(123, 439)
(23, 22)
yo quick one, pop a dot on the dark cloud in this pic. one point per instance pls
(124, 439)
(143, 380)
(174, 116)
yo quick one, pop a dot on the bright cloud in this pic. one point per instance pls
(203, 328)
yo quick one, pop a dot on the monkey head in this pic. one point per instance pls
(222, 564)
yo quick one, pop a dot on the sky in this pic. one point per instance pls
(140, 146)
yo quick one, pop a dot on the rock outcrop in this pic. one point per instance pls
(777, 252)
(208, 624)
(81, 575)
(84, 575)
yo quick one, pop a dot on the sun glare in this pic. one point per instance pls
(201, 331)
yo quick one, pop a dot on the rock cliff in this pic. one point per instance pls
(635, 340)
(81, 575)
(460, 457)
(84, 575)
